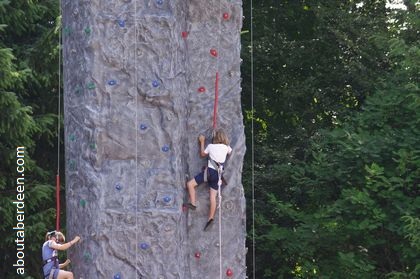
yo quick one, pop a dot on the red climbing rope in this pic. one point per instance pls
(57, 197)
(216, 100)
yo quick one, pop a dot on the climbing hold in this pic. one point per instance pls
(225, 16)
(155, 83)
(87, 256)
(88, 30)
(202, 89)
(184, 34)
(213, 52)
(144, 246)
(118, 186)
(82, 203)
(229, 272)
(143, 127)
(167, 199)
(72, 165)
(121, 22)
(165, 148)
(117, 276)
(67, 30)
(92, 145)
(112, 82)
(197, 255)
(72, 137)
(78, 90)
(159, 2)
(91, 85)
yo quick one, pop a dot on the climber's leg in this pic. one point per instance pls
(212, 211)
(191, 190)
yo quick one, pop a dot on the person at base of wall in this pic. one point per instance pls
(54, 242)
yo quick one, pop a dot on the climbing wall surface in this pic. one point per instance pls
(140, 86)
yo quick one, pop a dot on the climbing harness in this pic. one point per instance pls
(51, 276)
(217, 167)
(50, 260)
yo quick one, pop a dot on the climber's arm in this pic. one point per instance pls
(202, 139)
(65, 246)
(65, 264)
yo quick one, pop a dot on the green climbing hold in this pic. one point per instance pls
(82, 203)
(92, 146)
(91, 86)
(78, 90)
(87, 256)
(72, 165)
(66, 30)
(88, 30)
(72, 137)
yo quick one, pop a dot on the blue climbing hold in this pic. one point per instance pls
(121, 22)
(117, 276)
(167, 199)
(159, 2)
(112, 82)
(144, 246)
(155, 83)
(165, 148)
(143, 127)
(118, 186)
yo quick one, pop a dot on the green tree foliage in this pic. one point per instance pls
(28, 53)
(337, 174)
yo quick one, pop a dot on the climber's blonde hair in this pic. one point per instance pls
(220, 137)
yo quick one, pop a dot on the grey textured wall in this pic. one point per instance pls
(134, 72)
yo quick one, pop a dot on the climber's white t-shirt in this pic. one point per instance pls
(217, 152)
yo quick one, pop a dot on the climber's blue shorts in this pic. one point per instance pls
(212, 178)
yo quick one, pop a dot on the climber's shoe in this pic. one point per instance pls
(191, 206)
(209, 223)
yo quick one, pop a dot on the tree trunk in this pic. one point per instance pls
(134, 107)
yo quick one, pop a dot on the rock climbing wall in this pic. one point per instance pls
(140, 86)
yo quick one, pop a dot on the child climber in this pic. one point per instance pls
(217, 153)
(51, 267)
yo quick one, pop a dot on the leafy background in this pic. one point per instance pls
(336, 135)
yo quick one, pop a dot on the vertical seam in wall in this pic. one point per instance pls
(135, 128)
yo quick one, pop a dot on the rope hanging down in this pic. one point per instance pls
(57, 178)
(216, 100)
(252, 139)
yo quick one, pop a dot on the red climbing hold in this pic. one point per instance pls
(213, 52)
(226, 16)
(229, 272)
(202, 89)
(184, 34)
(197, 255)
